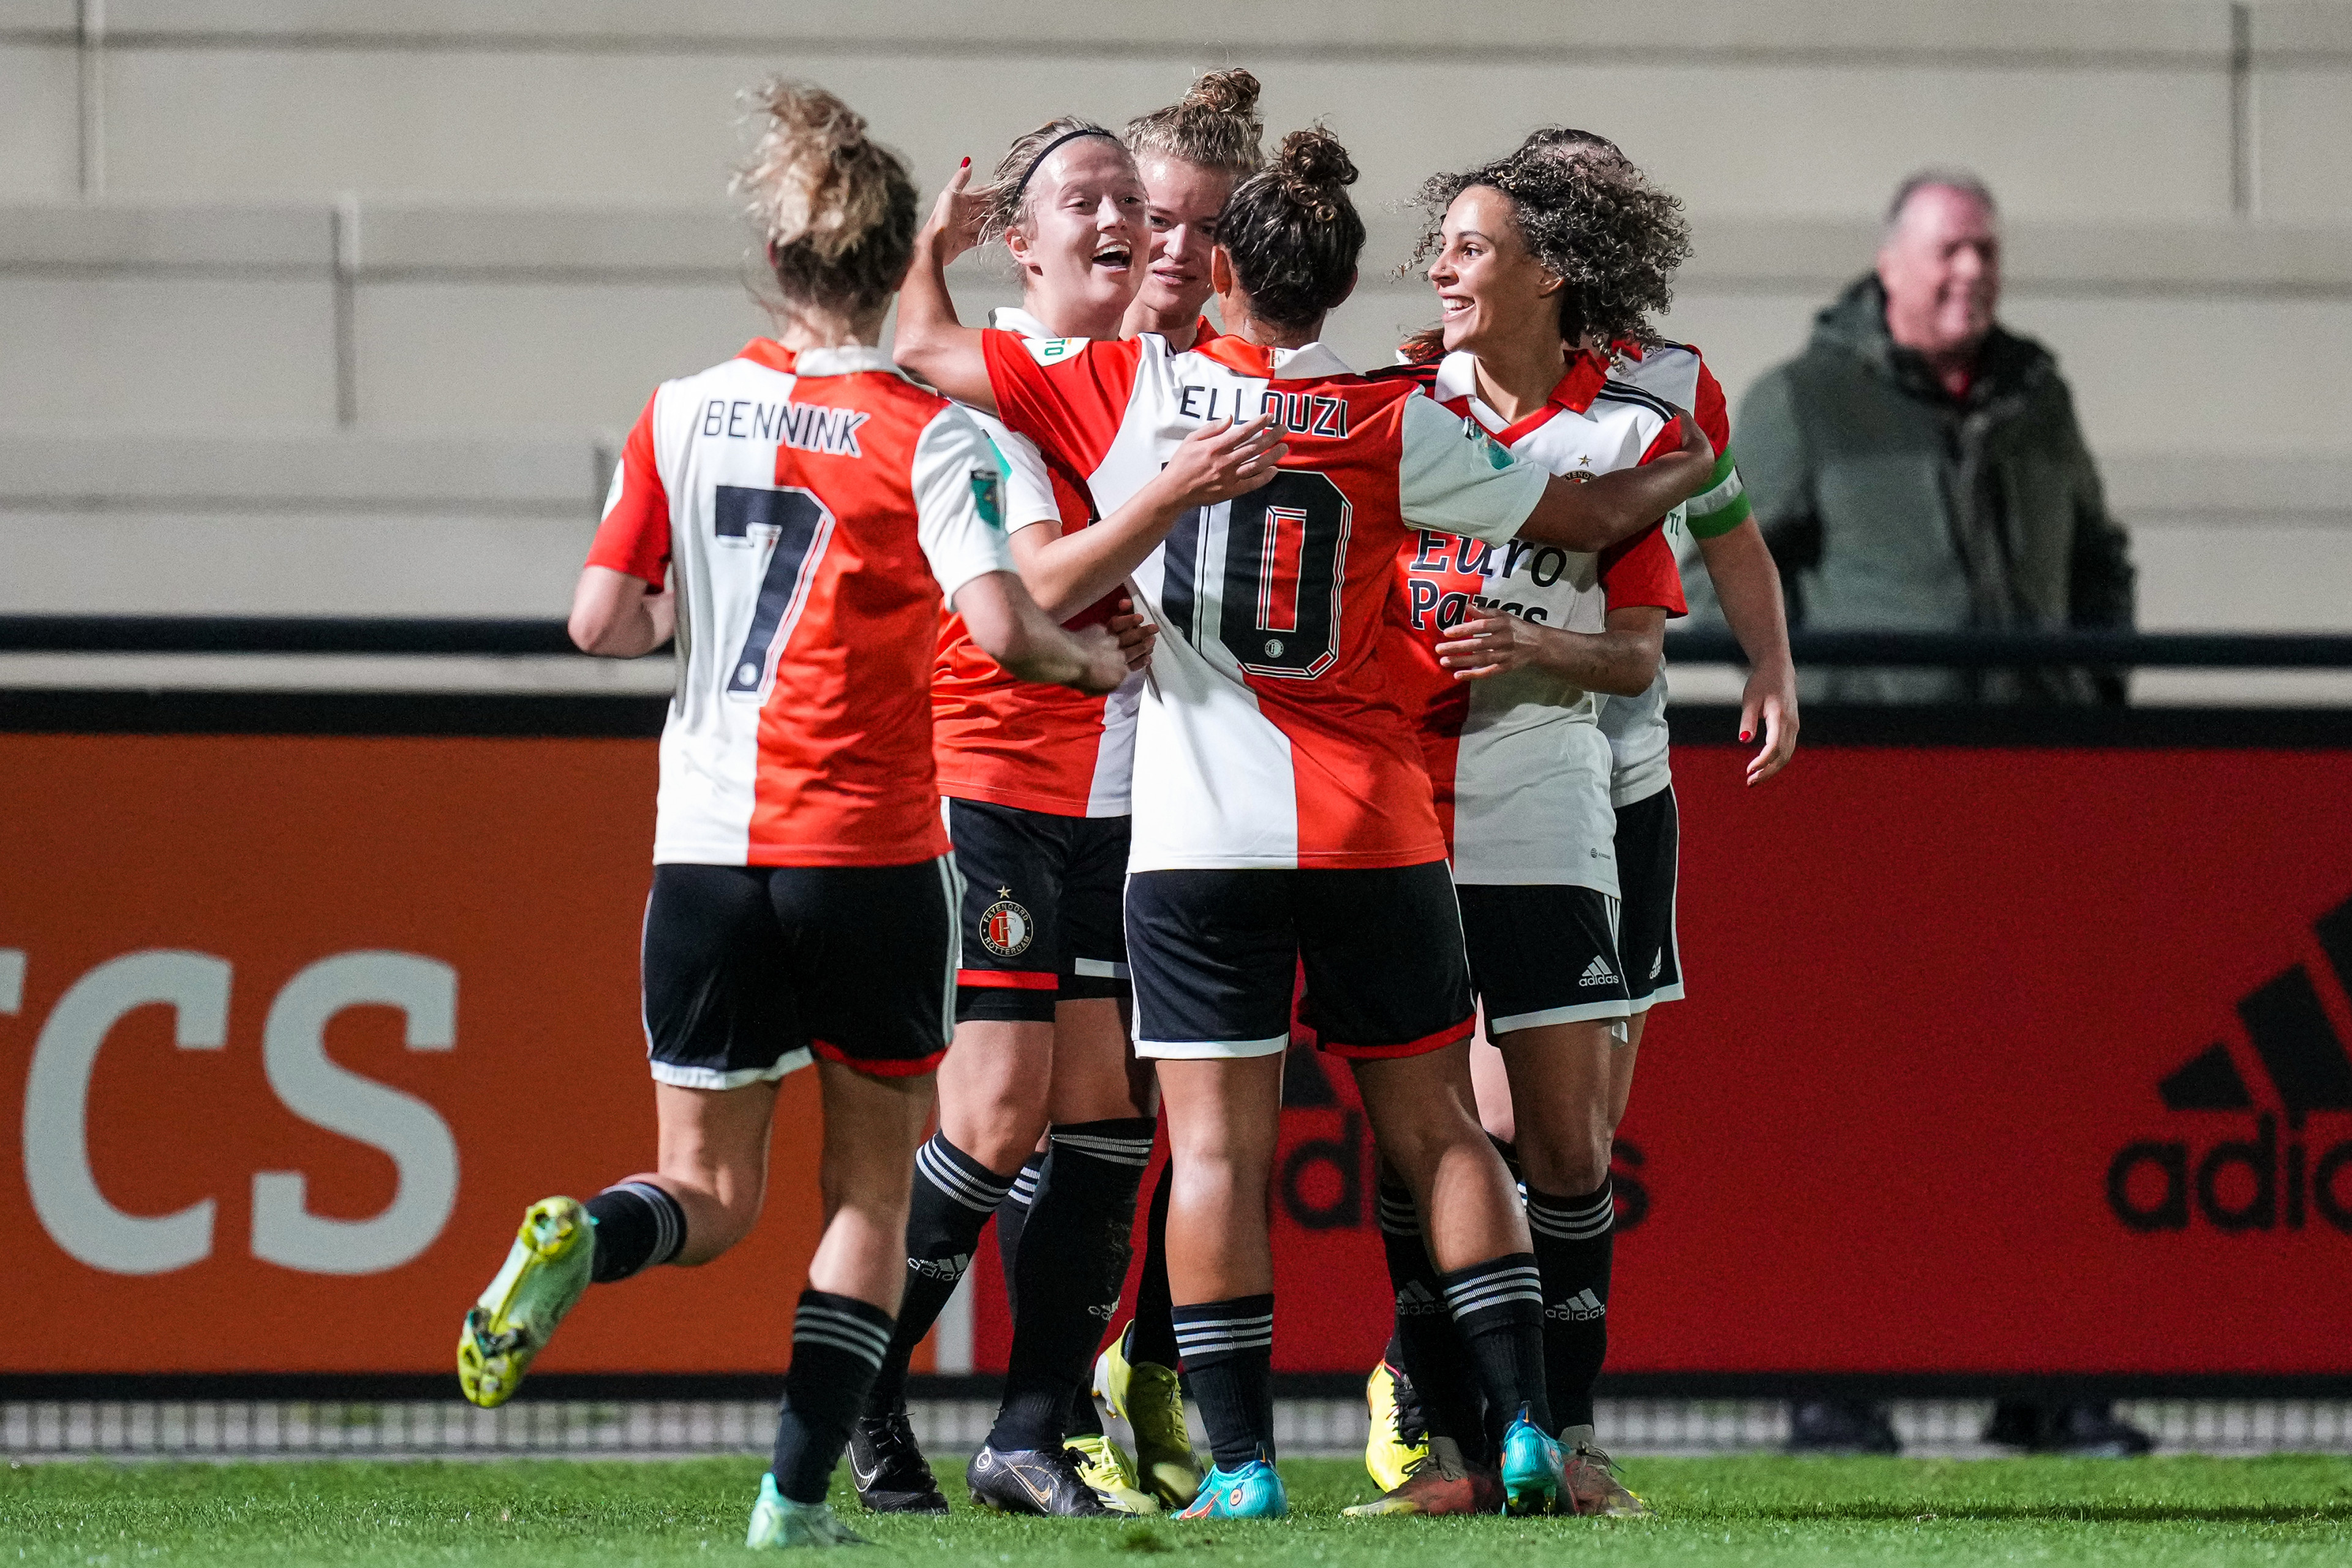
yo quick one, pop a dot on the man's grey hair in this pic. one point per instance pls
(1960, 180)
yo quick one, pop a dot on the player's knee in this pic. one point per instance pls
(1577, 1165)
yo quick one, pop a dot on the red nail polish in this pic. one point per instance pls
(1746, 736)
(967, 163)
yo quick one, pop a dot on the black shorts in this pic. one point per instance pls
(1543, 954)
(748, 968)
(1649, 855)
(1040, 909)
(1217, 956)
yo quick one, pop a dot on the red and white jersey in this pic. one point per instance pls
(1517, 763)
(1636, 726)
(1271, 736)
(808, 512)
(1013, 743)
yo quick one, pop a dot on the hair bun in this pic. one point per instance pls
(1314, 169)
(1224, 93)
(795, 177)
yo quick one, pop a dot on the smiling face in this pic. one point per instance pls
(1080, 237)
(1185, 200)
(1490, 288)
(1940, 264)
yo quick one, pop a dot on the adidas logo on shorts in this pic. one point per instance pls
(1598, 973)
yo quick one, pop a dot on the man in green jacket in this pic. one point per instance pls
(1918, 467)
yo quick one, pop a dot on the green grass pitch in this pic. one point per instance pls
(1719, 1510)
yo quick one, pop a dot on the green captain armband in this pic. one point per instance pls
(1722, 505)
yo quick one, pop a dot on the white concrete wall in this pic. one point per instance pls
(303, 232)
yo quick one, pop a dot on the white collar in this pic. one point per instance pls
(1013, 319)
(1310, 363)
(1457, 376)
(846, 360)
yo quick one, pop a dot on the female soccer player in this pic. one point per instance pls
(800, 508)
(1282, 812)
(1191, 154)
(1036, 786)
(1538, 253)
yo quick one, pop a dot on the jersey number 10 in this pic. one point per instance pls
(1277, 593)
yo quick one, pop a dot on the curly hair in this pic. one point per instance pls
(1213, 126)
(1590, 218)
(1292, 232)
(1008, 184)
(837, 211)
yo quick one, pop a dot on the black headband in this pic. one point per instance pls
(1056, 141)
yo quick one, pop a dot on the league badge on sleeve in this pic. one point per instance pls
(986, 487)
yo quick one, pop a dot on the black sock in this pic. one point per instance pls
(637, 1226)
(1574, 1238)
(1153, 1336)
(1227, 1349)
(1497, 1305)
(1070, 1273)
(954, 1194)
(837, 1343)
(1425, 1344)
(1013, 1223)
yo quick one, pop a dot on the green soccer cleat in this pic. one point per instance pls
(1102, 1467)
(546, 1272)
(778, 1522)
(1148, 1397)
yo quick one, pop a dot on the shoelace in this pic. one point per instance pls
(1412, 1421)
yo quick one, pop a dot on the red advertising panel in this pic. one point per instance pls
(1995, 1060)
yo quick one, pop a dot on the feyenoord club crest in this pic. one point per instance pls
(1006, 928)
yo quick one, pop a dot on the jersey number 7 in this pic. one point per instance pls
(796, 526)
(1261, 574)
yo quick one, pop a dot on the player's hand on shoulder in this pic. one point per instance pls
(1490, 645)
(1103, 662)
(1222, 460)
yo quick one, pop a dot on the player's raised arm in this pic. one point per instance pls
(1593, 514)
(931, 340)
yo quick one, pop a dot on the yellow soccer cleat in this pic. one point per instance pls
(1148, 1397)
(546, 1271)
(1104, 1468)
(1399, 1440)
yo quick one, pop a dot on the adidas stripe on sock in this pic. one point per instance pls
(1072, 1262)
(1497, 1305)
(637, 1226)
(954, 1194)
(1227, 1348)
(1428, 1348)
(838, 1344)
(1574, 1240)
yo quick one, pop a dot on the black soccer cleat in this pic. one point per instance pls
(889, 1469)
(1043, 1481)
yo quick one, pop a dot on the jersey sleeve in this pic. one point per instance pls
(634, 537)
(1640, 571)
(1028, 483)
(1453, 477)
(1722, 505)
(1067, 395)
(959, 505)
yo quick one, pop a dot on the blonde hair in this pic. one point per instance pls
(835, 211)
(1213, 126)
(1008, 184)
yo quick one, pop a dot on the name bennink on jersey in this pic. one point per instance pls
(804, 426)
(1545, 565)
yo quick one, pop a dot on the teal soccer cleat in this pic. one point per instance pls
(778, 1522)
(1253, 1491)
(1531, 1469)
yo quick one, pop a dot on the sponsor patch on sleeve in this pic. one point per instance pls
(1052, 351)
